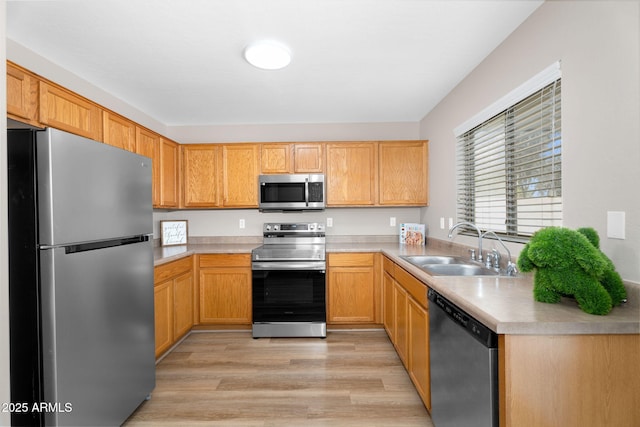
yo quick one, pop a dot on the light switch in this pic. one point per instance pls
(615, 225)
(329, 222)
(241, 224)
(392, 221)
(442, 223)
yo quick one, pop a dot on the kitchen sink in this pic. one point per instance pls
(440, 265)
(421, 260)
(458, 270)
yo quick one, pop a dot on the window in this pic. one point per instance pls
(509, 167)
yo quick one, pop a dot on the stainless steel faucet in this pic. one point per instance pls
(511, 267)
(470, 224)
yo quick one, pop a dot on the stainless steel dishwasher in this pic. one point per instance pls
(464, 367)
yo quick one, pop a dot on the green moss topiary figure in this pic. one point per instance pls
(567, 263)
(611, 279)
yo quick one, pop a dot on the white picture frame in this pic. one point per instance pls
(173, 232)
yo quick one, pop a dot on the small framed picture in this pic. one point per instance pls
(173, 232)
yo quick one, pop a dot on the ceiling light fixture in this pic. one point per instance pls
(268, 55)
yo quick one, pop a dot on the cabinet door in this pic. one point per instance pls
(276, 158)
(388, 303)
(308, 158)
(351, 296)
(419, 350)
(67, 111)
(169, 173)
(200, 175)
(240, 170)
(225, 295)
(403, 173)
(351, 288)
(22, 95)
(351, 177)
(183, 304)
(118, 131)
(148, 144)
(402, 327)
(163, 308)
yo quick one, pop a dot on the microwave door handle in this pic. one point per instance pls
(306, 192)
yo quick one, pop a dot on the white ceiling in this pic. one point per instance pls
(180, 61)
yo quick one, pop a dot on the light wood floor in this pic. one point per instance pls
(352, 378)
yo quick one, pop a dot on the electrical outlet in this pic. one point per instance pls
(450, 223)
(329, 222)
(392, 221)
(241, 224)
(615, 225)
(442, 223)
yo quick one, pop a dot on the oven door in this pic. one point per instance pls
(293, 294)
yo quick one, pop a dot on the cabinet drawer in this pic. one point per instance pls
(225, 260)
(413, 286)
(388, 266)
(353, 259)
(171, 269)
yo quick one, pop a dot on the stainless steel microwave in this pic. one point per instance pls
(291, 192)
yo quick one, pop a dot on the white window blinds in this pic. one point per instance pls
(509, 167)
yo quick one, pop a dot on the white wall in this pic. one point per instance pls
(299, 132)
(598, 44)
(346, 221)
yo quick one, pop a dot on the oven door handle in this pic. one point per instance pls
(289, 265)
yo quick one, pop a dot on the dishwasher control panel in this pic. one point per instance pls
(474, 327)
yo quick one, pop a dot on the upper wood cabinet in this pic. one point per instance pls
(201, 175)
(169, 173)
(166, 166)
(308, 158)
(148, 144)
(22, 95)
(67, 111)
(365, 173)
(118, 131)
(403, 173)
(292, 158)
(351, 177)
(276, 158)
(240, 170)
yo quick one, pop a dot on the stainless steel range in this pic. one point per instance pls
(289, 283)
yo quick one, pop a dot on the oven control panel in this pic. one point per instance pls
(293, 227)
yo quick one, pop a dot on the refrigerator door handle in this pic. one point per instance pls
(101, 244)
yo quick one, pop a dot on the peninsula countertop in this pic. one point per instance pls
(504, 304)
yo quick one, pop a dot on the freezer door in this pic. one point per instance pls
(90, 191)
(98, 333)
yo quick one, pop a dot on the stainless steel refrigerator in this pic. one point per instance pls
(80, 280)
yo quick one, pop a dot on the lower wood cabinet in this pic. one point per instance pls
(400, 312)
(569, 380)
(418, 349)
(406, 320)
(388, 301)
(225, 288)
(163, 305)
(174, 302)
(353, 288)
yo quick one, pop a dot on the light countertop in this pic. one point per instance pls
(504, 304)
